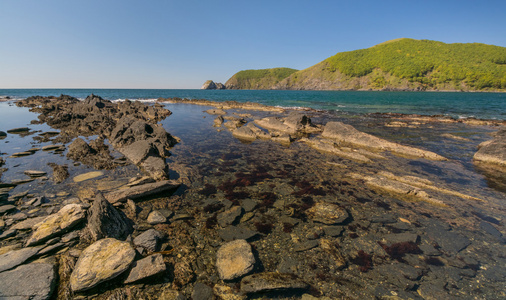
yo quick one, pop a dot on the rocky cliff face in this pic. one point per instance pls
(211, 85)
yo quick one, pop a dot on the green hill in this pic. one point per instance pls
(406, 64)
(258, 79)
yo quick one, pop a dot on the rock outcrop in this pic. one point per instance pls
(211, 85)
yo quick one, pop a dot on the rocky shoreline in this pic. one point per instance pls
(315, 210)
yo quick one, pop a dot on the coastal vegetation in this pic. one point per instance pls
(401, 64)
(258, 79)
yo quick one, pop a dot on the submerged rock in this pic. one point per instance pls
(271, 282)
(149, 240)
(88, 176)
(18, 130)
(34, 281)
(57, 224)
(102, 261)
(328, 213)
(234, 259)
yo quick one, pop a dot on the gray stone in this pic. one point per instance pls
(9, 233)
(101, 261)
(150, 240)
(400, 238)
(18, 130)
(231, 233)
(14, 258)
(449, 241)
(248, 205)
(202, 291)
(327, 213)
(271, 282)
(156, 217)
(229, 216)
(234, 259)
(106, 221)
(333, 231)
(306, 245)
(490, 229)
(35, 173)
(146, 267)
(34, 281)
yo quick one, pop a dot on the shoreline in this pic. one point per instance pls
(318, 208)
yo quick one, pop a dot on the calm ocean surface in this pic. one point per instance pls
(457, 105)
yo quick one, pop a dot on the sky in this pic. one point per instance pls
(181, 44)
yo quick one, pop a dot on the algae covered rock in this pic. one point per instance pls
(102, 261)
(56, 224)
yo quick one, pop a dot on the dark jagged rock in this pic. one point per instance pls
(150, 240)
(146, 267)
(60, 172)
(105, 221)
(140, 191)
(95, 154)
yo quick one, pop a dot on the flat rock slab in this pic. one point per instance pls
(35, 173)
(449, 241)
(234, 259)
(87, 176)
(6, 208)
(229, 216)
(231, 233)
(23, 153)
(14, 258)
(146, 267)
(57, 224)
(140, 191)
(52, 147)
(271, 282)
(32, 281)
(327, 213)
(102, 261)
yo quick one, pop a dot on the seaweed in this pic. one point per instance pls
(288, 227)
(213, 207)
(307, 188)
(268, 199)
(398, 250)
(434, 261)
(212, 221)
(353, 235)
(382, 204)
(264, 227)
(234, 196)
(363, 260)
(208, 190)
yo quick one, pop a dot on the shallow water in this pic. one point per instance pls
(289, 175)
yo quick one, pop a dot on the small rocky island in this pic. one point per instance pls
(248, 202)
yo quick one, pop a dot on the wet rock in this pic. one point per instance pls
(52, 147)
(202, 291)
(18, 130)
(155, 167)
(105, 221)
(34, 173)
(150, 240)
(306, 245)
(234, 259)
(244, 133)
(449, 241)
(20, 154)
(490, 229)
(14, 258)
(347, 134)
(333, 231)
(216, 111)
(57, 224)
(327, 213)
(34, 281)
(218, 121)
(271, 282)
(146, 267)
(88, 176)
(141, 191)
(400, 238)
(156, 217)
(493, 151)
(231, 233)
(101, 261)
(229, 216)
(3, 134)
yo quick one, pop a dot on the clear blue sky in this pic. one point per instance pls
(180, 44)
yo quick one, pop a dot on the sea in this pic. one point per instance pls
(457, 105)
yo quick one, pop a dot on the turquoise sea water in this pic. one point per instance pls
(457, 105)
